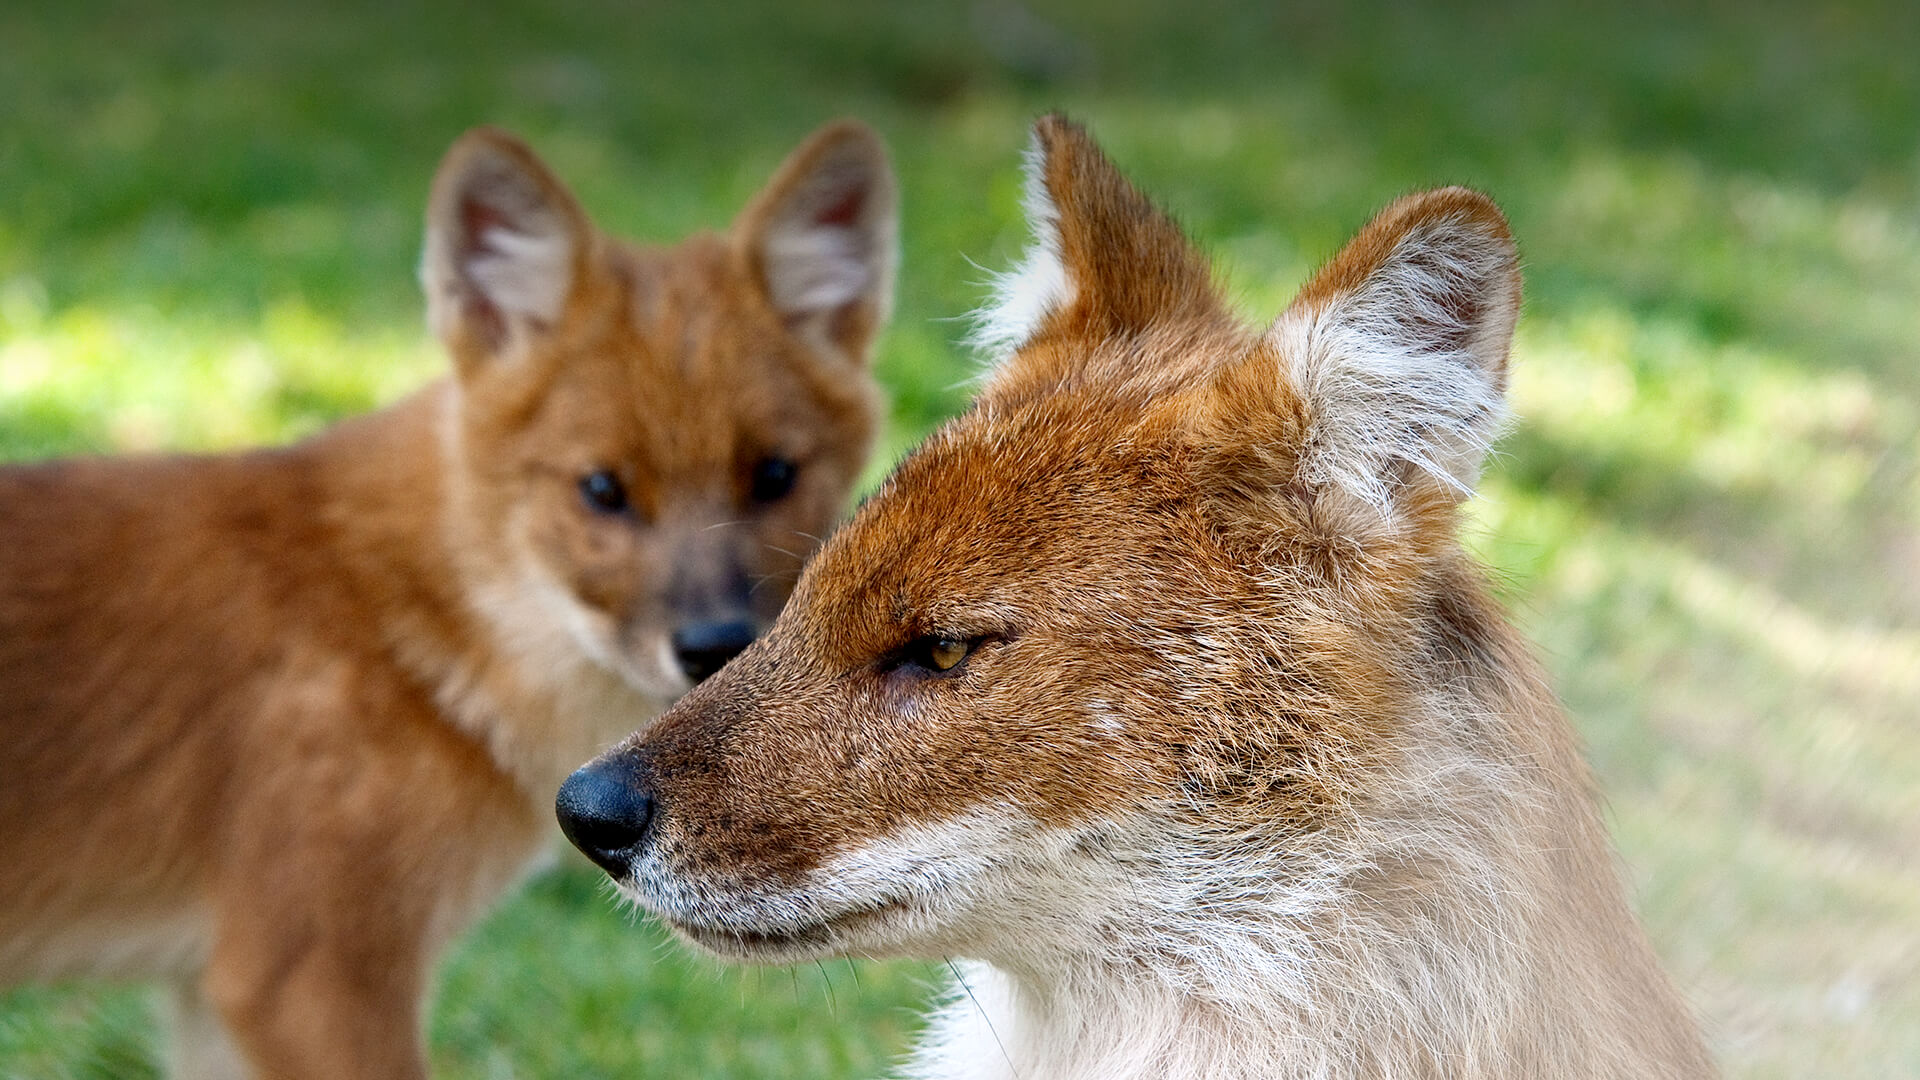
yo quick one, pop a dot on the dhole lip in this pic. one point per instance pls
(775, 944)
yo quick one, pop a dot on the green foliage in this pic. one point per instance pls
(1708, 515)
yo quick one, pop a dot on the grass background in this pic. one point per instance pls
(1709, 516)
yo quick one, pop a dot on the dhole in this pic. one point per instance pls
(277, 724)
(1159, 685)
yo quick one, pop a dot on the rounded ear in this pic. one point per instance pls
(822, 239)
(1398, 348)
(505, 247)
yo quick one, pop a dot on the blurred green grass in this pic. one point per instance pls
(1708, 516)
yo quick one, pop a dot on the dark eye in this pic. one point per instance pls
(604, 492)
(938, 654)
(773, 479)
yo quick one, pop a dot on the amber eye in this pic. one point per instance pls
(942, 654)
(604, 492)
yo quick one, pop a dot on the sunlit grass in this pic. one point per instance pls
(136, 379)
(1708, 513)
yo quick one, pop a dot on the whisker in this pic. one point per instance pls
(957, 977)
(833, 1001)
(769, 579)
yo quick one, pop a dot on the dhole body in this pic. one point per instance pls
(1159, 687)
(278, 723)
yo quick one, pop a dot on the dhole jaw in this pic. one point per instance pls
(1121, 653)
(645, 443)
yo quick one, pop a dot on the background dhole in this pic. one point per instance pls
(1159, 683)
(277, 724)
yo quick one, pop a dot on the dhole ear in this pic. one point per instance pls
(821, 238)
(1104, 262)
(1397, 350)
(505, 244)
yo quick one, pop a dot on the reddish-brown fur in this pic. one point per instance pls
(277, 724)
(1242, 773)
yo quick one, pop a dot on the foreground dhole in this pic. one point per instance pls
(1159, 685)
(275, 725)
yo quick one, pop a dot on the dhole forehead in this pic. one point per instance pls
(1059, 488)
(705, 369)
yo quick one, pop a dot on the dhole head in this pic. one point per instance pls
(647, 442)
(1134, 627)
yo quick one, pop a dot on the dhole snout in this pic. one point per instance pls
(1159, 685)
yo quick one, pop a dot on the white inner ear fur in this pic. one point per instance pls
(1394, 375)
(814, 265)
(813, 268)
(525, 274)
(515, 255)
(1023, 297)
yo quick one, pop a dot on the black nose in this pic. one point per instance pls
(604, 809)
(705, 647)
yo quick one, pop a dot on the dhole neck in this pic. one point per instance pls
(391, 480)
(382, 479)
(1007, 1026)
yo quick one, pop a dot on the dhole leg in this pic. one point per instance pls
(307, 1002)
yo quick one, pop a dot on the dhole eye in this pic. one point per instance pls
(604, 492)
(940, 653)
(773, 479)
